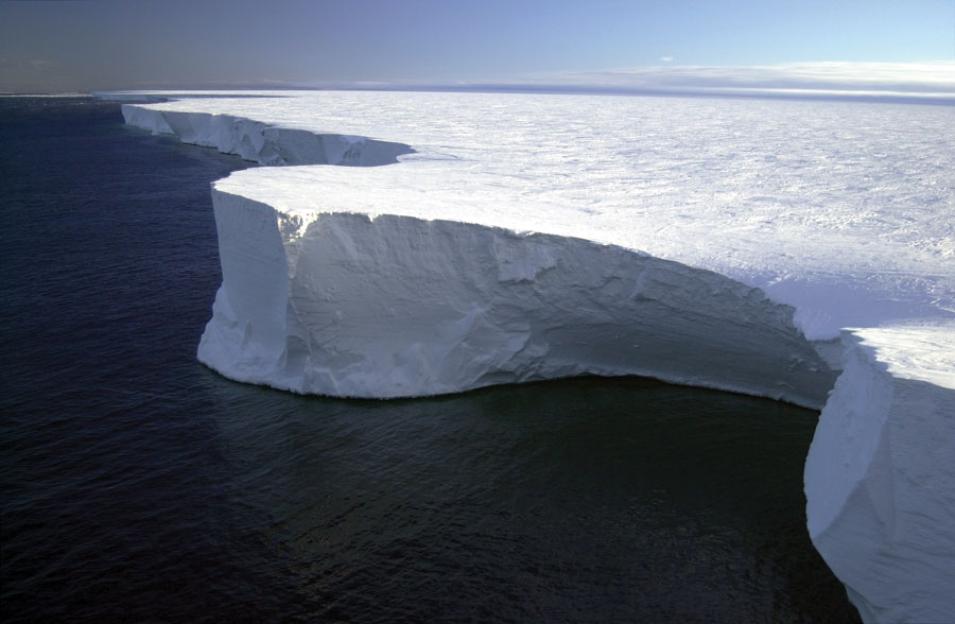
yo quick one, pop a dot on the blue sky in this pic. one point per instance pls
(51, 46)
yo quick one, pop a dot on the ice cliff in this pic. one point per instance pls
(346, 304)
(514, 246)
(880, 476)
(264, 144)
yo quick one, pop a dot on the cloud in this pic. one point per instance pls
(929, 78)
(666, 59)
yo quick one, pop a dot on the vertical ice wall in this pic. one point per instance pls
(347, 305)
(880, 475)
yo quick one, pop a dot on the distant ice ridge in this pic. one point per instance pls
(262, 143)
(504, 249)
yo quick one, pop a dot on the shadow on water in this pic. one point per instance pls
(574, 500)
(139, 486)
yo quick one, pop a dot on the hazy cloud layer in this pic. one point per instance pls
(909, 78)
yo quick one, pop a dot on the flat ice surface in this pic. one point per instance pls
(845, 210)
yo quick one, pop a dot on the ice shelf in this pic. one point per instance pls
(720, 243)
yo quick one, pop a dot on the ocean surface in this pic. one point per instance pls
(139, 486)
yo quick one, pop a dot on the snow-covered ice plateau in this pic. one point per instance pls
(751, 245)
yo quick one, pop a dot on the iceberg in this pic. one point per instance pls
(757, 247)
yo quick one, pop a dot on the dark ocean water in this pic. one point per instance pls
(139, 486)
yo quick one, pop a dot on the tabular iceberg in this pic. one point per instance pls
(507, 247)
